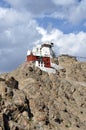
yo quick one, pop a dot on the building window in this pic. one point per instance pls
(37, 49)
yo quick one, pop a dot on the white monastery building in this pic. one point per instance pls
(41, 56)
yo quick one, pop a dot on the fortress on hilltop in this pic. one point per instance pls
(41, 56)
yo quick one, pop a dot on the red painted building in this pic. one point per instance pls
(45, 60)
(41, 55)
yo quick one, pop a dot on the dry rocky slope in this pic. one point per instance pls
(31, 99)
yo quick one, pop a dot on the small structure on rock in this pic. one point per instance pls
(41, 56)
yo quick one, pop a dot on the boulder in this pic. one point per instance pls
(12, 83)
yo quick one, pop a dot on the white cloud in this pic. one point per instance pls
(35, 7)
(78, 13)
(19, 30)
(72, 44)
(64, 2)
(17, 33)
(11, 17)
(71, 10)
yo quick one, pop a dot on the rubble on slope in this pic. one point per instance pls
(31, 99)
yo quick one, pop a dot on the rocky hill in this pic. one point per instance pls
(31, 99)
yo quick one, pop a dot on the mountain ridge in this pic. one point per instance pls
(31, 99)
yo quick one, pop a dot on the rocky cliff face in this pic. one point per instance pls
(31, 99)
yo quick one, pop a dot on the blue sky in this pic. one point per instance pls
(61, 25)
(24, 23)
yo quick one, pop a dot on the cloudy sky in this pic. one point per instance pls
(24, 23)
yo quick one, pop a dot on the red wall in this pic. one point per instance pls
(31, 58)
(46, 60)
